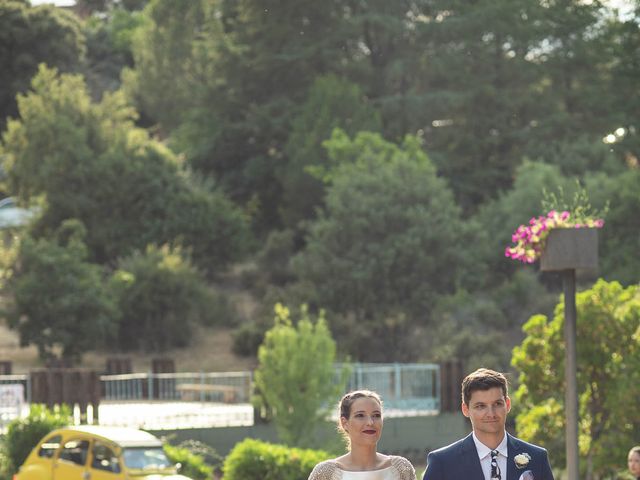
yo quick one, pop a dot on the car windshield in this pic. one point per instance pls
(145, 458)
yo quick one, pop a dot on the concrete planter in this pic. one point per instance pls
(570, 248)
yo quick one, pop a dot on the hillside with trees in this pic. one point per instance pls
(368, 159)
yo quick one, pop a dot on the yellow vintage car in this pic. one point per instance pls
(98, 453)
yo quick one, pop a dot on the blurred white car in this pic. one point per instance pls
(13, 216)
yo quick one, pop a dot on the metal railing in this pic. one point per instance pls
(223, 397)
(226, 387)
(403, 386)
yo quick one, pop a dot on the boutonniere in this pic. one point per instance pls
(522, 460)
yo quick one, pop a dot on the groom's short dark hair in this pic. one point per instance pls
(483, 379)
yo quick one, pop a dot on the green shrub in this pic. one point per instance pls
(162, 296)
(300, 354)
(255, 459)
(192, 464)
(6, 469)
(24, 433)
(247, 339)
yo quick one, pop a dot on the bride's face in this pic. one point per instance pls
(364, 425)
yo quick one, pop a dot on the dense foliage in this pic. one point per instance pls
(161, 297)
(55, 293)
(255, 459)
(192, 465)
(87, 161)
(368, 158)
(24, 433)
(371, 253)
(608, 355)
(30, 36)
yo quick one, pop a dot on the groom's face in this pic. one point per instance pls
(487, 410)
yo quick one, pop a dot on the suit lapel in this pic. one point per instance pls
(512, 450)
(471, 460)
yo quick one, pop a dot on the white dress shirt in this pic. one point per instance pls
(484, 453)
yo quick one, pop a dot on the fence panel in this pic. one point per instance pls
(222, 398)
(403, 386)
(223, 387)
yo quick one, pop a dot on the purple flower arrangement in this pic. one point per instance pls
(529, 240)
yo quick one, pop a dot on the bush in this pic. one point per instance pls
(161, 296)
(193, 465)
(6, 469)
(247, 339)
(255, 459)
(24, 433)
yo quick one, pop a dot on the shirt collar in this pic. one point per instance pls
(483, 450)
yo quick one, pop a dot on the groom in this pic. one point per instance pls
(489, 452)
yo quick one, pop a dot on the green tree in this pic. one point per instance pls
(296, 377)
(623, 43)
(87, 161)
(173, 52)
(503, 80)
(577, 71)
(239, 70)
(215, 231)
(282, 47)
(109, 48)
(620, 238)
(60, 300)
(386, 245)
(488, 83)
(386, 55)
(30, 36)
(161, 297)
(24, 433)
(477, 327)
(331, 103)
(608, 348)
(478, 87)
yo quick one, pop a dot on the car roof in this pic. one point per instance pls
(125, 437)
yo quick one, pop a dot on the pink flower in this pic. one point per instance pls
(529, 240)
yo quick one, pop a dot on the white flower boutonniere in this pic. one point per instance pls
(522, 460)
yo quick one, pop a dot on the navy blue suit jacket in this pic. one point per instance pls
(460, 461)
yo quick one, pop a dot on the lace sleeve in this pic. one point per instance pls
(326, 470)
(404, 468)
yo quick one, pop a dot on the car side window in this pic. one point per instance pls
(104, 458)
(49, 446)
(75, 451)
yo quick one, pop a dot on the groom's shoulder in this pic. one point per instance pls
(448, 449)
(529, 447)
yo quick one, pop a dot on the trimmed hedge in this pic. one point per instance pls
(266, 461)
(24, 433)
(192, 465)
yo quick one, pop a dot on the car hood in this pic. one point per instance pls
(156, 476)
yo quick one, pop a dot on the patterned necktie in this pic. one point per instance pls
(495, 469)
